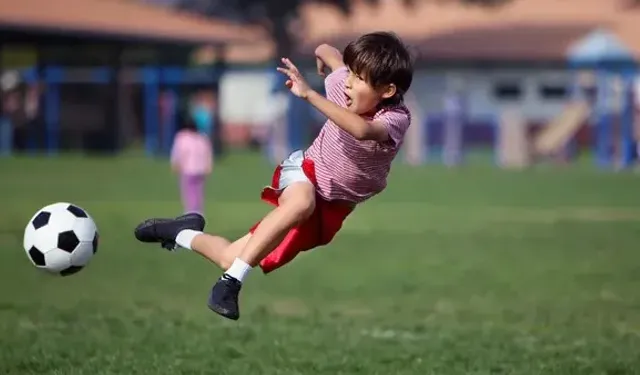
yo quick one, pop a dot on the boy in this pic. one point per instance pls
(313, 190)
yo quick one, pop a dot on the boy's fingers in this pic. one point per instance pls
(289, 64)
(285, 71)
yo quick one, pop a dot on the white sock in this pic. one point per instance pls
(239, 269)
(185, 237)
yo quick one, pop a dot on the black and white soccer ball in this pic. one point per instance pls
(61, 238)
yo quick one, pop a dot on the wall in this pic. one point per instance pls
(247, 100)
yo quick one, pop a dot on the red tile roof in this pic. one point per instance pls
(121, 19)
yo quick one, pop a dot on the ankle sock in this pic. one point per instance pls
(239, 269)
(185, 237)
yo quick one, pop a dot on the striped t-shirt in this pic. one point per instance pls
(349, 169)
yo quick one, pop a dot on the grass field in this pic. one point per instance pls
(468, 271)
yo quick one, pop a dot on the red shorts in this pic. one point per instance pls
(318, 230)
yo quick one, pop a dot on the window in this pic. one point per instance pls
(553, 92)
(507, 91)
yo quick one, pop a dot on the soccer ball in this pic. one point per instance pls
(61, 238)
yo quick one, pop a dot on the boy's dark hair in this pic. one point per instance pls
(382, 59)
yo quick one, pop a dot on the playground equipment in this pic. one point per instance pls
(512, 148)
(561, 130)
(415, 146)
(611, 114)
(612, 62)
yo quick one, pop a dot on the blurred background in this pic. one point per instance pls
(505, 242)
(109, 76)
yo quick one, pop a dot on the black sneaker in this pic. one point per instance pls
(224, 297)
(165, 230)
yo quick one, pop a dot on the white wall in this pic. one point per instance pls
(480, 86)
(246, 96)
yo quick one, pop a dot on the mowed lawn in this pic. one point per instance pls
(465, 271)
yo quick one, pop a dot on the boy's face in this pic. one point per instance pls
(361, 97)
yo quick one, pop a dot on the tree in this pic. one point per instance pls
(276, 15)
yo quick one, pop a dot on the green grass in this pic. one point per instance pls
(466, 271)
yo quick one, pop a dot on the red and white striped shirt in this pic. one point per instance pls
(349, 169)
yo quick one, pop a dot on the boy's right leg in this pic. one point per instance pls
(218, 250)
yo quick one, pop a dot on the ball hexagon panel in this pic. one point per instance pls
(56, 206)
(37, 257)
(85, 229)
(57, 260)
(68, 241)
(62, 220)
(45, 238)
(82, 254)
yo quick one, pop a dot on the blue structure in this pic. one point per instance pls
(53, 77)
(605, 55)
(168, 78)
(97, 57)
(152, 78)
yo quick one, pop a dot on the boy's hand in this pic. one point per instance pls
(296, 82)
(328, 57)
(321, 67)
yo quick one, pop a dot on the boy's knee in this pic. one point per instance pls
(225, 263)
(305, 207)
(300, 200)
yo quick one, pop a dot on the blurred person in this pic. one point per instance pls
(636, 121)
(6, 134)
(33, 125)
(313, 190)
(203, 113)
(9, 85)
(192, 160)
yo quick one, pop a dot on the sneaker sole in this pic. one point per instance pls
(223, 312)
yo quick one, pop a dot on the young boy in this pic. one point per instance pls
(313, 190)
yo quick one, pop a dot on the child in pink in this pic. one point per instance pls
(192, 160)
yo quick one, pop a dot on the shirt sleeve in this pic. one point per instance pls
(334, 86)
(396, 121)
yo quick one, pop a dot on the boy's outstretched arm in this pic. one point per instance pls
(350, 122)
(328, 57)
